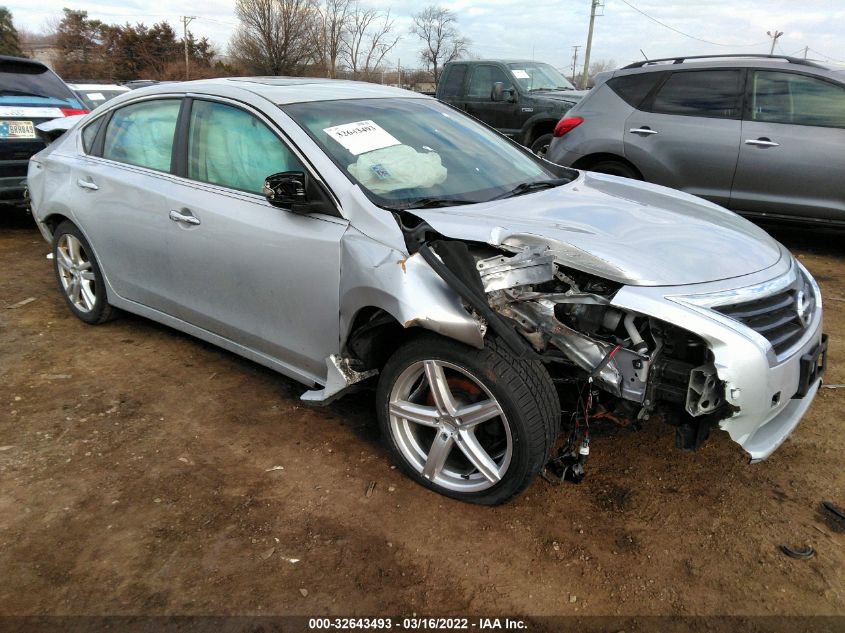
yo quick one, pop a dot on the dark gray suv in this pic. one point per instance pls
(762, 135)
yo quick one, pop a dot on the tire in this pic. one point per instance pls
(78, 275)
(541, 145)
(506, 407)
(615, 168)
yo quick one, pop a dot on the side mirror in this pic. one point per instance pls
(286, 190)
(500, 93)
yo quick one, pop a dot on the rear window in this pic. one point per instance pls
(453, 86)
(706, 93)
(634, 88)
(33, 83)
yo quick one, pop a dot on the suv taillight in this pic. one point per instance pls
(74, 111)
(566, 125)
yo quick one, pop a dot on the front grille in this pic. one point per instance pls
(777, 317)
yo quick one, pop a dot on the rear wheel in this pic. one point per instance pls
(541, 145)
(79, 276)
(615, 168)
(475, 425)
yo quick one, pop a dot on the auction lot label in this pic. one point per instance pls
(361, 137)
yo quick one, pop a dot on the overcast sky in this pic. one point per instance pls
(540, 29)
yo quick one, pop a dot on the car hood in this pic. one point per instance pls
(622, 230)
(571, 96)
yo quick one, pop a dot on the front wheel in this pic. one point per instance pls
(475, 425)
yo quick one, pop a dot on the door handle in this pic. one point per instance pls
(184, 216)
(762, 142)
(642, 130)
(86, 184)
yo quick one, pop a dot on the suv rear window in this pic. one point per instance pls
(19, 80)
(707, 93)
(634, 88)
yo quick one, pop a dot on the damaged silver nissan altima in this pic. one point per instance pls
(345, 233)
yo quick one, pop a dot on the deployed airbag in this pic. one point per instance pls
(397, 167)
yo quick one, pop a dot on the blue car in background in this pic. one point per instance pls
(30, 94)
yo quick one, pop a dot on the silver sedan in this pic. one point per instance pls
(345, 233)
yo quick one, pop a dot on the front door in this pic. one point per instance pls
(258, 275)
(686, 135)
(502, 115)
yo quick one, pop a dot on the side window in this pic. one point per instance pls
(708, 93)
(230, 147)
(90, 133)
(634, 88)
(454, 84)
(789, 98)
(142, 134)
(482, 80)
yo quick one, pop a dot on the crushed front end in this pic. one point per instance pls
(743, 355)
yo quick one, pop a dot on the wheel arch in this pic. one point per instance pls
(535, 128)
(587, 162)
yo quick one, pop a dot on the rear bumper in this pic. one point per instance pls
(13, 190)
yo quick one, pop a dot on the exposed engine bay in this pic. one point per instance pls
(609, 364)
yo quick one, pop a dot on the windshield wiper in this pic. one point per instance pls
(534, 185)
(433, 203)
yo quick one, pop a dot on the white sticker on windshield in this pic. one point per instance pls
(521, 74)
(96, 96)
(361, 137)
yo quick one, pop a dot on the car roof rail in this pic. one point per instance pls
(681, 60)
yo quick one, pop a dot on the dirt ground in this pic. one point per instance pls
(145, 472)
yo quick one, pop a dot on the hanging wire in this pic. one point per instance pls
(672, 28)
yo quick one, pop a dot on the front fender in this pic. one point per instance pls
(375, 275)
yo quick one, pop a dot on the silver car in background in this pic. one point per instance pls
(344, 233)
(762, 135)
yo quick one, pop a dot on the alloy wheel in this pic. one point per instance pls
(449, 427)
(76, 273)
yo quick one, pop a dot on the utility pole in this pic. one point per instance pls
(398, 73)
(574, 61)
(584, 78)
(186, 20)
(774, 35)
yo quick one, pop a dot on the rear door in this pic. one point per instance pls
(686, 134)
(121, 184)
(452, 88)
(792, 156)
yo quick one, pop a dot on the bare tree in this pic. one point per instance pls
(368, 39)
(442, 42)
(274, 36)
(331, 21)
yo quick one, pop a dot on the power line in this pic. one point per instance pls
(672, 28)
(827, 57)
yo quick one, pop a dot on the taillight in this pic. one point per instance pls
(567, 125)
(74, 111)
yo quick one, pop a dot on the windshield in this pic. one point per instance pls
(406, 152)
(94, 98)
(536, 76)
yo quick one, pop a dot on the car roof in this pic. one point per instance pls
(728, 61)
(23, 61)
(76, 86)
(284, 90)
